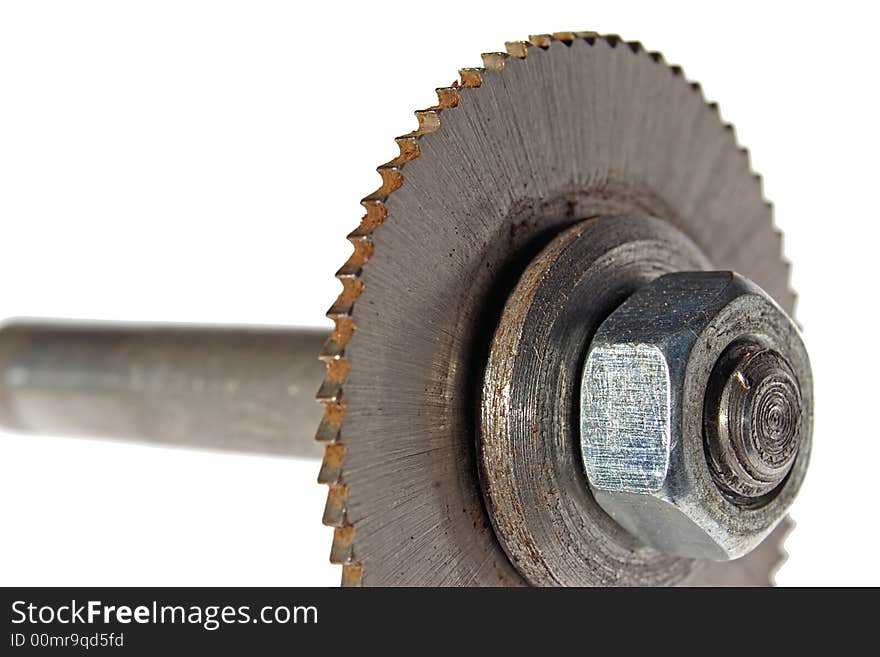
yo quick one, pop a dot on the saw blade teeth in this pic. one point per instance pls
(517, 49)
(365, 230)
(337, 370)
(564, 37)
(494, 61)
(793, 296)
(635, 46)
(329, 391)
(429, 121)
(341, 550)
(779, 237)
(470, 78)
(331, 422)
(788, 525)
(375, 215)
(392, 179)
(334, 509)
(363, 249)
(334, 347)
(351, 289)
(611, 39)
(352, 575)
(345, 301)
(331, 387)
(447, 97)
(342, 329)
(362, 243)
(657, 57)
(409, 148)
(392, 166)
(540, 40)
(331, 464)
(759, 181)
(378, 196)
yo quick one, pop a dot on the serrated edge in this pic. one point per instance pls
(781, 552)
(330, 394)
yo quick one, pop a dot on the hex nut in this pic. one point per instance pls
(643, 392)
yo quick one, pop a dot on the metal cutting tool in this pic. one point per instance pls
(563, 353)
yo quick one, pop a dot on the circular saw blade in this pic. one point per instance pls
(555, 130)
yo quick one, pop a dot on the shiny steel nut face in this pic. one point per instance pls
(696, 415)
(627, 417)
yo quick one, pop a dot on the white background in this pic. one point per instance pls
(202, 161)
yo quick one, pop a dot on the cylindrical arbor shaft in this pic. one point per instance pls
(237, 388)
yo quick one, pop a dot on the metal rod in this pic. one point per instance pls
(246, 389)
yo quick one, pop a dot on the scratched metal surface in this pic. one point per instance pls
(626, 413)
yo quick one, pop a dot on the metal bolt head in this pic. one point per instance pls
(696, 414)
(752, 418)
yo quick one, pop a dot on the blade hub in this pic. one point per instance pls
(537, 496)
